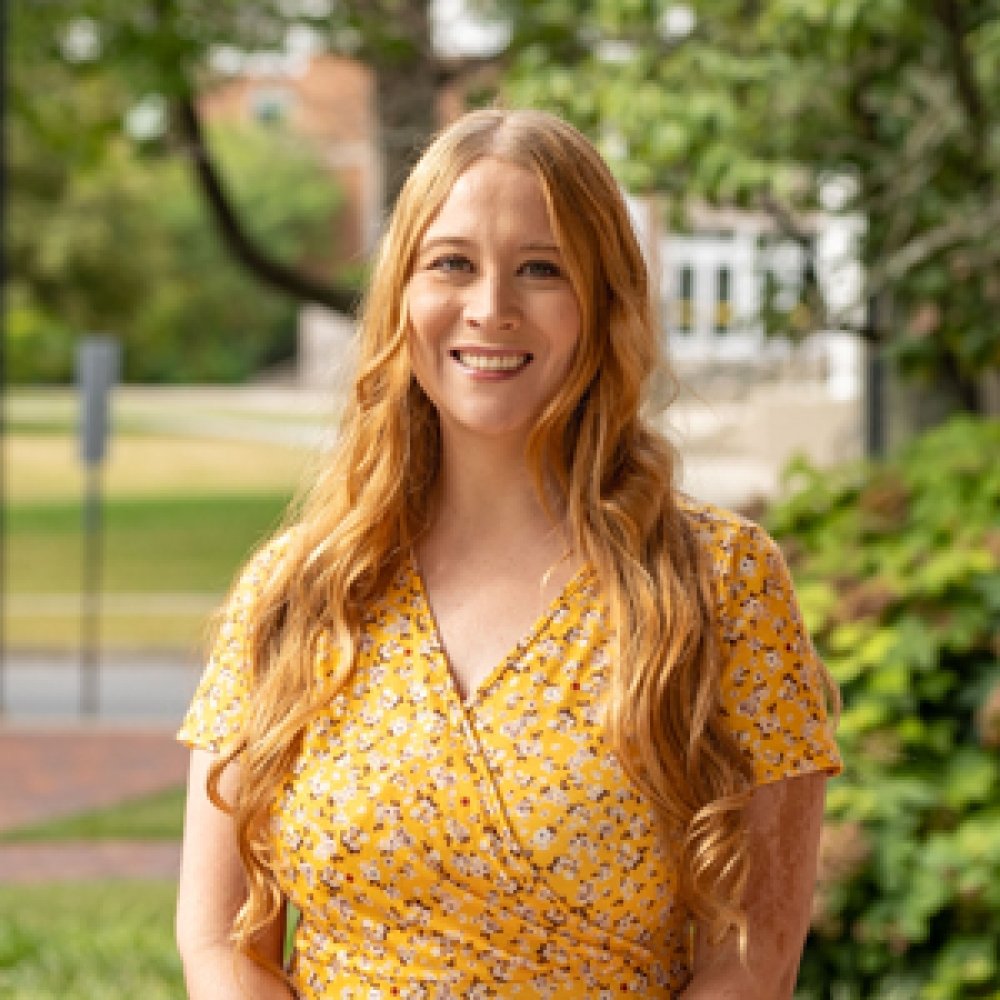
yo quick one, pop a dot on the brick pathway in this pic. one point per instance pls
(74, 861)
(45, 774)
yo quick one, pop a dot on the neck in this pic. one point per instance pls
(486, 492)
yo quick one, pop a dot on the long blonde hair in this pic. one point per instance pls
(615, 479)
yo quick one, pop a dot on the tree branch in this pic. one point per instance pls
(950, 15)
(277, 275)
(885, 275)
(785, 220)
(963, 228)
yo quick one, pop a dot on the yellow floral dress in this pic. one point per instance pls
(493, 847)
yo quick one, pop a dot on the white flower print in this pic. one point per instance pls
(395, 821)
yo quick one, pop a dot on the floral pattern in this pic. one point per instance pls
(493, 847)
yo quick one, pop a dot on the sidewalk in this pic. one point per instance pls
(137, 690)
(82, 861)
(49, 772)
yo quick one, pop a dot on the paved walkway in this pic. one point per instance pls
(52, 772)
(78, 861)
(145, 691)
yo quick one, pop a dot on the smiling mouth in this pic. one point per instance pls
(511, 362)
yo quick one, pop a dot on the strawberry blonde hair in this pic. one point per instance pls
(614, 478)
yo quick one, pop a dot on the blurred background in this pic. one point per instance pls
(816, 187)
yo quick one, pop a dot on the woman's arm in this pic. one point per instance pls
(212, 889)
(784, 822)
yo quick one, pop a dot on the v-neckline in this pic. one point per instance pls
(468, 701)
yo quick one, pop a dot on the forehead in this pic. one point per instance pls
(492, 195)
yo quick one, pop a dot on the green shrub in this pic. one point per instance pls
(898, 571)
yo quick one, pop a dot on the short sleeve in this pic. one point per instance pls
(773, 695)
(215, 716)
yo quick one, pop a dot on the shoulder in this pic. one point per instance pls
(732, 545)
(259, 568)
(246, 593)
(747, 569)
(215, 717)
(774, 692)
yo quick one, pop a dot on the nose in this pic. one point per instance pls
(492, 303)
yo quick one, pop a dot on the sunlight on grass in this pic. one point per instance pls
(89, 941)
(46, 467)
(153, 817)
(182, 509)
(159, 816)
(185, 549)
(55, 633)
(190, 544)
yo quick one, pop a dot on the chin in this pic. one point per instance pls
(491, 430)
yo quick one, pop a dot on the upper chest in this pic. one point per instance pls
(479, 616)
(402, 783)
(523, 765)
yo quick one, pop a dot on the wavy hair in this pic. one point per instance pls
(614, 477)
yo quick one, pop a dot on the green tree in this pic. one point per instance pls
(163, 49)
(764, 104)
(121, 244)
(63, 53)
(204, 316)
(758, 103)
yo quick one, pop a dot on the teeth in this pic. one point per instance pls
(493, 362)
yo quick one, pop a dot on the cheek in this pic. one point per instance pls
(567, 329)
(429, 313)
(422, 338)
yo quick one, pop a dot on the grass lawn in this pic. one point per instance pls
(153, 817)
(58, 633)
(172, 544)
(184, 547)
(181, 514)
(89, 941)
(45, 467)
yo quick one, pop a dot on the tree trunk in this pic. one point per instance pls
(407, 82)
(916, 404)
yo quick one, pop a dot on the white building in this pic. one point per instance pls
(713, 282)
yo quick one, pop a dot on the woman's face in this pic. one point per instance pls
(494, 322)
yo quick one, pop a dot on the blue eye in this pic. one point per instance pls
(541, 269)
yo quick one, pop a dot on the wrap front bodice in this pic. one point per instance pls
(494, 847)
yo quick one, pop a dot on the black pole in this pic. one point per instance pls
(876, 378)
(3, 356)
(90, 594)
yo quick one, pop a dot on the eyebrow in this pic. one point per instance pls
(530, 247)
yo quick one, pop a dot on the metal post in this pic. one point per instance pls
(98, 362)
(90, 595)
(875, 429)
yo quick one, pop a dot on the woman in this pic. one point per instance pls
(502, 713)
